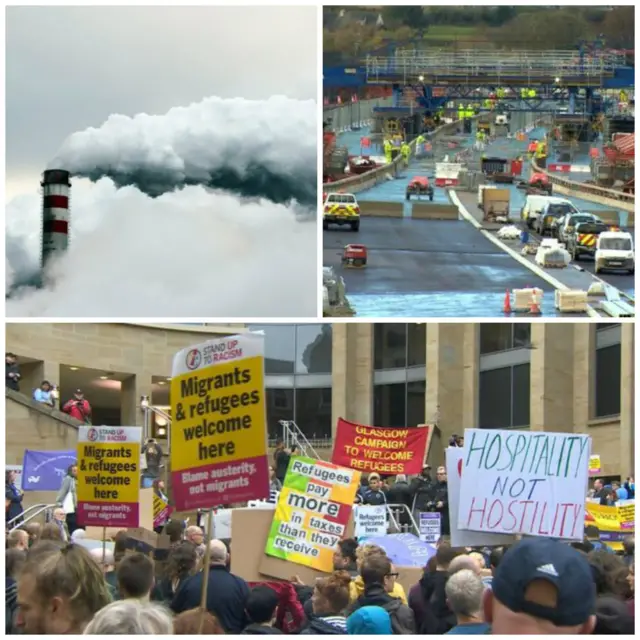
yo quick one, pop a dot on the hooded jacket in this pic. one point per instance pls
(402, 618)
(326, 626)
(356, 589)
(433, 615)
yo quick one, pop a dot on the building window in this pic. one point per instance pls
(416, 392)
(390, 345)
(279, 407)
(399, 405)
(313, 412)
(416, 345)
(505, 397)
(313, 348)
(608, 373)
(279, 346)
(501, 336)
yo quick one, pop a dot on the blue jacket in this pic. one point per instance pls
(14, 497)
(226, 597)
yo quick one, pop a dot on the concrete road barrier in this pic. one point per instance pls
(430, 211)
(382, 209)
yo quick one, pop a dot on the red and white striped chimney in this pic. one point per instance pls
(55, 213)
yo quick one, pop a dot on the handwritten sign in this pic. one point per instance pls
(370, 520)
(108, 486)
(312, 513)
(524, 482)
(430, 527)
(383, 450)
(595, 465)
(218, 432)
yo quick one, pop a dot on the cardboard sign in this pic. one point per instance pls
(430, 527)
(595, 465)
(108, 488)
(384, 450)
(614, 523)
(218, 431)
(370, 520)
(161, 511)
(460, 537)
(312, 512)
(524, 482)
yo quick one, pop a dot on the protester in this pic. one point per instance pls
(599, 492)
(59, 520)
(60, 589)
(136, 577)
(175, 530)
(374, 495)
(400, 492)
(78, 535)
(195, 535)
(541, 587)
(12, 372)
(33, 529)
(106, 561)
(14, 561)
(609, 573)
(51, 531)
(357, 585)
(260, 609)
(592, 536)
(18, 539)
(12, 499)
(43, 394)
(181, 565)
(422, 490)
(120, 546)
(370, 620)
(464, 592)
(131, 617)
(344, 557)
(281, 459)
(78, 407)
(629, 549)
(152, 452)
(159, 491)
(195, 622)
(67, 498)
(631, 581)
(441, 499)
(329, 601)
(274, 483)
(464, 562)
(226, 593)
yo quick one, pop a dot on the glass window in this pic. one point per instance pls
(279, 345)
(500, 336)
(313, 348)
(606, 325)
(608, 367)
(390, 345)
(416, 392)
(495, 398)
(416, 345)
(521, 335)
(521, 395)
(279, 407)
(313, 412)
(389, 405)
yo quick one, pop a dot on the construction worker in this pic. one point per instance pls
(501, 93)
(531, 93)
(387, 150)
(405, 150)
(461, 112)
(420, 141)
(470, 112)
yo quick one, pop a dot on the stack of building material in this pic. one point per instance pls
(524, 298)
(574, 301)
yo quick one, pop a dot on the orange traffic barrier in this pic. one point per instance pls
(507, 302)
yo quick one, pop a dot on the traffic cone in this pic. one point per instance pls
(507, 302)
(534, 309)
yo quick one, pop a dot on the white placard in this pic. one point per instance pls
(532, 483)
(370, 520)
(430, 526)
(460, 537)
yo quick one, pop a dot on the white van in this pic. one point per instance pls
(534, 205)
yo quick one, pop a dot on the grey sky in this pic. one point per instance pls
(69, 68)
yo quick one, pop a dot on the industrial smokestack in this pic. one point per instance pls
(55, 213)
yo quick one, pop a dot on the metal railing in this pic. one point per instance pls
(292, 435)
(23, 518)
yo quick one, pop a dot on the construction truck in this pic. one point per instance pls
(583, 239)
(614, 251)
(341, 209)
(419, 186)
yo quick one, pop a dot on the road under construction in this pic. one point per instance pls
(436, 258)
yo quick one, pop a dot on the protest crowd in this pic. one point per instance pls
(339, 540)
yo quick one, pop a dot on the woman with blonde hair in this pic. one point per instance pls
(357, 585)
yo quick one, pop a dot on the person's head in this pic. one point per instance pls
(401, 477)
(59, 514)
(629, 546)
(105, 560)
(495, 557)
(272, 473)
(369, 621)
(34, 529)
(613, 617)
(51, 531)
(331, 594)
(426, 471)
(131, 617)
(345, 554)
(441, 474)
(377, 570)
(45, 386)
(10, 476)
(78, 394)
(174, 530)
(219, 553)
(279, 443)
(10, 358)
(136, 576)
(464, 592)
(14, 561)
(591, 532)
(615, 485)
(445, 553)
(478, 558)
(78, 534)
(158, 485)
(18, 539)
(374, 482)
(182, 561)
(597, 484)
(366, 550)
(188, 623)
(609, 573)
(72, 470)
(261, 605)
(195, 535)
(60, 589)
(464, 562)
(541, 587)
(120, 545)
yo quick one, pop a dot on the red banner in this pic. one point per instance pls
(386, 450)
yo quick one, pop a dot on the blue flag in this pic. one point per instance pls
(44, 470)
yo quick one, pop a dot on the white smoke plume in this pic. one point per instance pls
(210, 225)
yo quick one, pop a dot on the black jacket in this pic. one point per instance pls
(11, 606)
(10, 382)
(260, 630)
(15, 504)
(441, 494)
(226, 597)
(399, 493)
(282, 462)
(402, 618)
(374, 497)
(319, 627)
(436, 617)
(422, 493)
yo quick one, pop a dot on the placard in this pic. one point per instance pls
(522, 482)
(312, 513)
(161, 511)
(108, 484)
(218, 430)
(370, 520)
(430, 526)
(595, 465)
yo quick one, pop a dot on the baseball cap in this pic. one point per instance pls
(555, 562)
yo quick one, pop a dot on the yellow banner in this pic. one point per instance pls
(614, 523)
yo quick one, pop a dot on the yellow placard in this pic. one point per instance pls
(218, 414)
